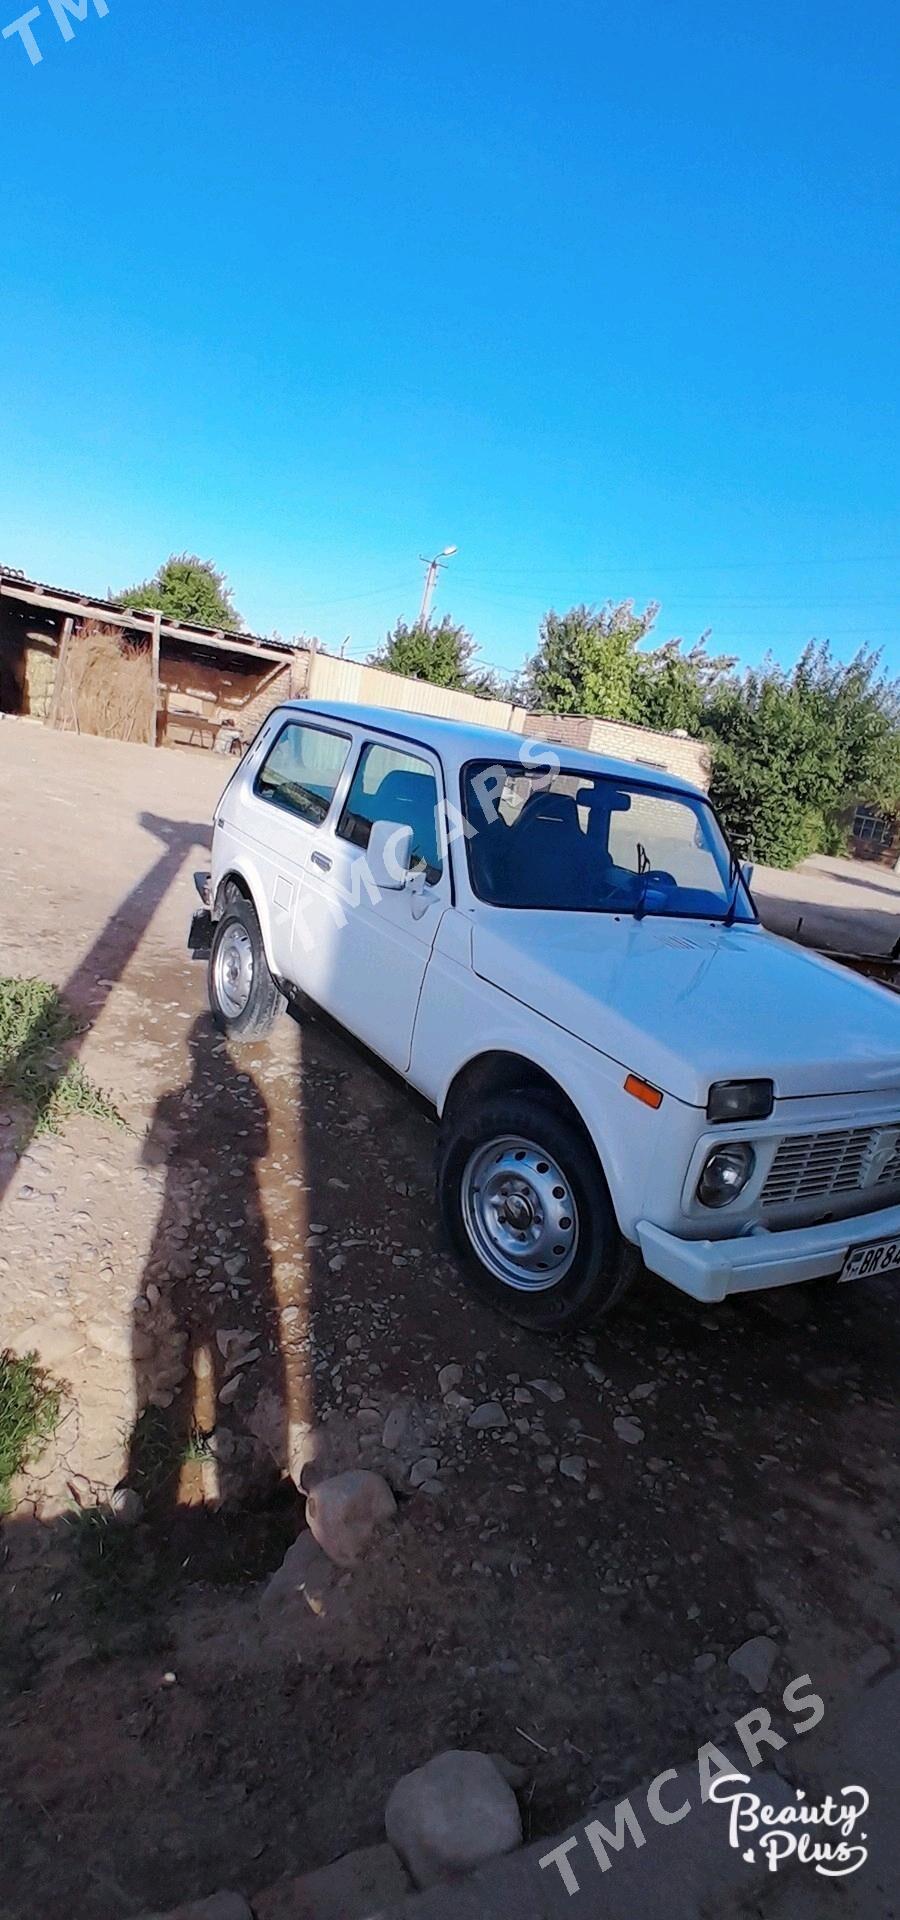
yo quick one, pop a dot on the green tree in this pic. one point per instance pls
(591, 660)
(186, 588)
(672, 688)
(587, 660)
(439, 651)
(791, 748)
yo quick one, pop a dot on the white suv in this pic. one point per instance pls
(560, 952)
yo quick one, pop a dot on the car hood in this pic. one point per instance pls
(685, 1004)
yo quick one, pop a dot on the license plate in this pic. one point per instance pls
(883, 1256)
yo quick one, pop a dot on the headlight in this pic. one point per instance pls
(726, 1173)
(740, 1100)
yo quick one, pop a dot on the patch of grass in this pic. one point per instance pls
(154, 1454)
(119, 1578)
(197, 1448)
(29, 1415)
(123, 1569)
(35, 1028)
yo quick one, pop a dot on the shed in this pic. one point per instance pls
(197, 685)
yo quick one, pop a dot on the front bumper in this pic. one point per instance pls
(711, 1269)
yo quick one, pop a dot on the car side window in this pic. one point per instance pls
(391, 785)
(301, 770)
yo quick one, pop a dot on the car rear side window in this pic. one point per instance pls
(301, 770)
(391, 785)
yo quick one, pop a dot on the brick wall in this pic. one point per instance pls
(332, 679)
(676, 752)
(289, 684)
(242, 690)
(254, 711)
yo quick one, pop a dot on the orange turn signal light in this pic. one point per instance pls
(642, 1090)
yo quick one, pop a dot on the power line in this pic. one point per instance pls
(828, 633)
(615, 562)
(371, 593)
(712, 599)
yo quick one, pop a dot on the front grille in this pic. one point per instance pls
(812, 1166)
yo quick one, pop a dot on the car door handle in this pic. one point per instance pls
(320, 860)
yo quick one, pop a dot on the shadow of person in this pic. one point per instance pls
(88, 987)
(210, 1392)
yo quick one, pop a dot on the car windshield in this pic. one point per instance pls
(595, 843)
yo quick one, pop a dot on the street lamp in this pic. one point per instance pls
(433, 569)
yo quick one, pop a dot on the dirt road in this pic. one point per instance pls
(849, 905)
(569, 1582)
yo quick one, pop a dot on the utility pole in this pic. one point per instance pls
(154, 674)
(433, 569)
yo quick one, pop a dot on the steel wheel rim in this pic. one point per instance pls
(520, 1213)
(233, 970)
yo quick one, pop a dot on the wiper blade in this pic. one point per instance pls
(736, 880)
(644, 871)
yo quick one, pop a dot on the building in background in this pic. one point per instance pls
(872, 835)
(676, 752)
(83, 664)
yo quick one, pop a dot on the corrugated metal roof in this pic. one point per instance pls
(15, 585)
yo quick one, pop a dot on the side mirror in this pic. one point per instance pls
(747, 872)
(390, 855)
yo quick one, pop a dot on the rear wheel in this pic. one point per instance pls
(529, 1211)
(242, 994)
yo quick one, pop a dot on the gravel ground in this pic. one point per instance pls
(570, 1579)
(845, 905)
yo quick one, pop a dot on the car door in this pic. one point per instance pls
(280, 810)
(360, 953)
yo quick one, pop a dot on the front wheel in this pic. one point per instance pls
(529, 1212)
(242, 994)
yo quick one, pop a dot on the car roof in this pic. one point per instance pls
(456, 741)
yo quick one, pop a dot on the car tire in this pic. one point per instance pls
(525, 1203)
(243, 997)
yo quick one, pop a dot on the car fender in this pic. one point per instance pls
(233, 859)
(462, 1018)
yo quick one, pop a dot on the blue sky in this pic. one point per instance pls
(607, 296)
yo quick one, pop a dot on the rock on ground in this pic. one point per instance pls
(307, 1446)
(343, 1514)
(550, 1389)
(451, 1815)
(423, 1470)
(754, 1661)
(630, 1431)
(219, 1906)
(395, 1426)
(489, 1415)
(574, 1467)
(126, 1506)
(352, 1888)
(306, 1576)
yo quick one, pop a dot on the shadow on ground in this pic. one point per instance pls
(565, 1588)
